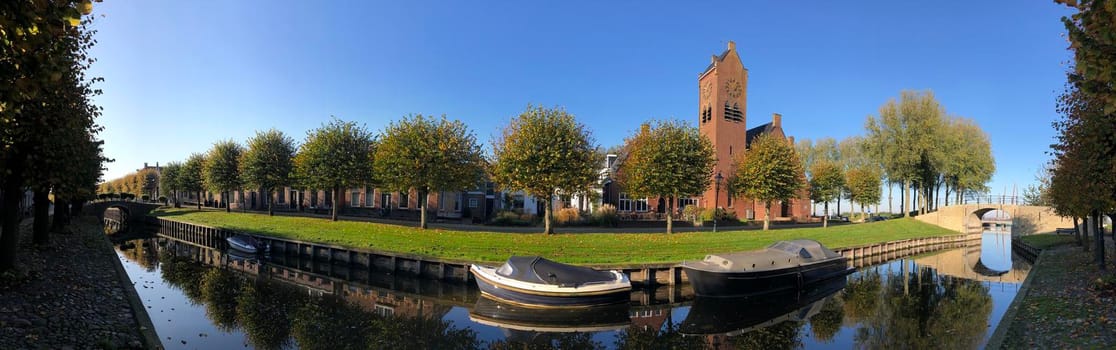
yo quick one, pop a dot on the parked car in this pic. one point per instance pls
(876, 218)
(839, 218)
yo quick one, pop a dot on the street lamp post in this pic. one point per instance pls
(716, 196)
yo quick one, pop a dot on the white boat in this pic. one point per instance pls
(246, 244)
(534, 281)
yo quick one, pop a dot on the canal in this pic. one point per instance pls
(201, 298)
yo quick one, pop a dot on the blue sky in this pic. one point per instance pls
(180, 75)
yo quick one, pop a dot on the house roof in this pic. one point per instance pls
(755, 132)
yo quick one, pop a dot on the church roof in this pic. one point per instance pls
(755, 132)
(720, 58)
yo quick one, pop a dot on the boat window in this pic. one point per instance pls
(786, 247)
(805, 254)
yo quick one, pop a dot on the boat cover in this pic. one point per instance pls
(780, 255)
(535, 269)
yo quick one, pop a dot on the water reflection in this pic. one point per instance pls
(201, 297)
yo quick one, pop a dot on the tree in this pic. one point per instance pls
(334, 156)
(826, 180)
(769, 170)
(905, 137)
(864, 186)
(191, 175)
(170, 183)
(222, 170)
(667, 159)
(267, 163)
(543, 152)
(1038, 193)
(427, 154)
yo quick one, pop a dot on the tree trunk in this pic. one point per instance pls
(61, 215)
(546, 218)
(906, 197)
(225, 198)
(889, 208)
(839, 203)
(825, 213)
(1099, 238)
(767, 215)
(670, 217)
(177, 204)
(75, 208)
(9, 218)
(199, 200)
(270, 207)
(333, 216)
(41, 227)
(1077, 232)
(423, 201)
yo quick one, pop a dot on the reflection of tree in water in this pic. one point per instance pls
(548, 341)
(141, 251)
(182, 273)
(785, 335)
(922, 309)
(330, 323)
(665, 337)
(861, 295)
(264, 311)
(828, 320)
(219, 290)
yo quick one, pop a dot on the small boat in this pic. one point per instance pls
(534, 281)
(244, 244)
(781, 266)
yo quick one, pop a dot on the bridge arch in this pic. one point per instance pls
(129, 211)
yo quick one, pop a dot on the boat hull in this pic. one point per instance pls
(240, 245)
(570, 298)
(748, 283)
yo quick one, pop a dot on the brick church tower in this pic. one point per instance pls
(722, 111)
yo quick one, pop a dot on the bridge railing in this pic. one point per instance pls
(993, 199)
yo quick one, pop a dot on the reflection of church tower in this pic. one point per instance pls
(723, 102)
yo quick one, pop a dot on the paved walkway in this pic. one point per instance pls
(68, 295)
(1064, 308)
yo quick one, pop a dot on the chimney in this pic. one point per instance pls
(776, 120)
(145, 165)
(732, 45)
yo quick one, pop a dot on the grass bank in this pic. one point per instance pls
(1044, 241)
(580, 248)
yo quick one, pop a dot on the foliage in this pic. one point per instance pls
(1038, 193)
(588, 248)
(693, 213)
(667, 159)
(268, 162)
(864, 185)
(768, 171)
(826, 181)
(428, 154)
(606, 216)
(222, 168)
(544, 152)
(335, 156)
(568, 216)
(169, 182)
(510, 218)
(190, 178)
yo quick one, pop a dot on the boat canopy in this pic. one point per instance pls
(535, 269)
(808, 250)
(780, 255)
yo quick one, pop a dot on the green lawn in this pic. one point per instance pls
(581, 248)
(1044, 241)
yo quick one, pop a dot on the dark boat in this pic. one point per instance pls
(534, 281)
(243, 244)
(781, 266)
(518, 318)
(735, 316)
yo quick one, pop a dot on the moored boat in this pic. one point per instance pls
(781, 266)
(736, 316)
(534, 281)
(244, 244)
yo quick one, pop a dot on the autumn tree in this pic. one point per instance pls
(667, 159)
(222, 170)
(428, 154)
(267, 163)
(827, 179)
(543, 152)
(169, 182)
(768, 171)
(334, 156)
(905, 136)
(190, 178)
(864, 186)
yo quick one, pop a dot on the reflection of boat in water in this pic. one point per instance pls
(243, 244)
(534, 281)
(735, 316)
(551, 320)
(781, 266)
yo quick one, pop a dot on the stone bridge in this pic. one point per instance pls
(1025, 219)
(129, 211)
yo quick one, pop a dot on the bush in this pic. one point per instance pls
(568, 216)
(163, 199)
(693, 214)
(722, 215)
(510, 218)
(606, 216)
(145, 198)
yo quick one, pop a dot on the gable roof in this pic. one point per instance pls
(720, 58)
(755, 132)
